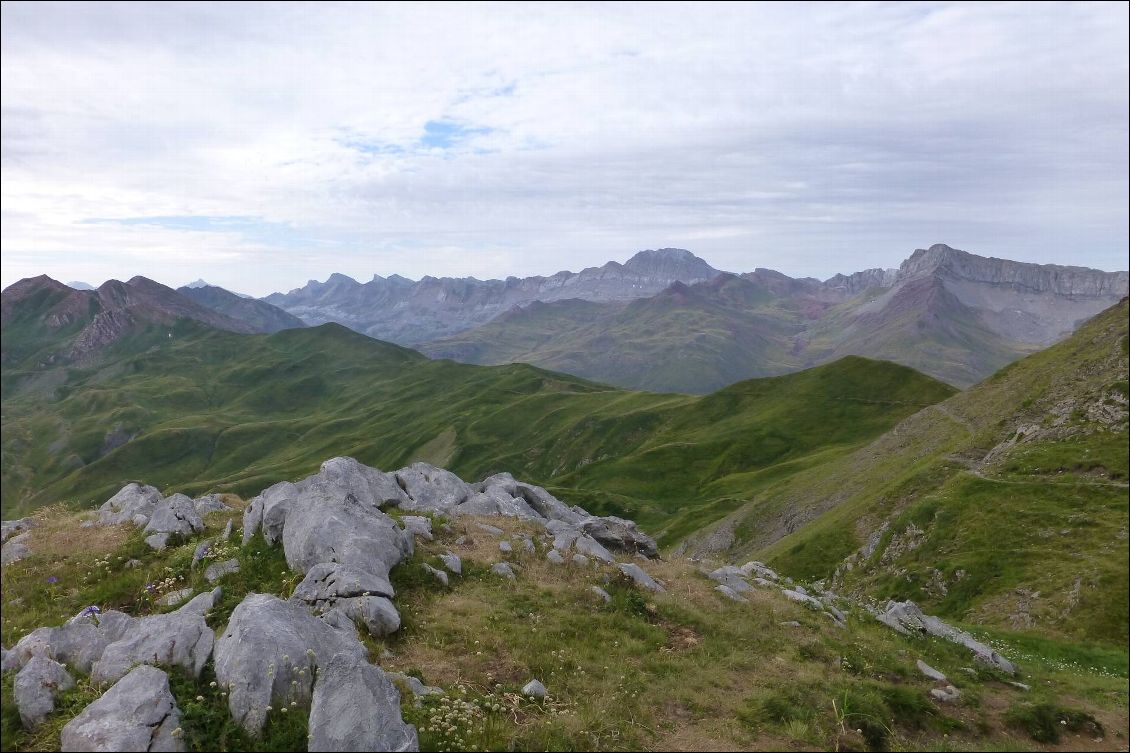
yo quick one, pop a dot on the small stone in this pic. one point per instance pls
(948, 694)
(641, 578)
(438, 574)
(504, 570)
(555, 558)
(581, 560)
(175, 597)
(604, 596)
(729, 593)
(929, 671)
(505, 547)
(789, 623)
(493, 531)
(452, 562)
(534, 689)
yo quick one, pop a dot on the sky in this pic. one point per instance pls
(260, 146)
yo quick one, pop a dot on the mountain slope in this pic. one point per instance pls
(46, 322)
(408, 312)
(260, 315)
(225, 411)
(953, 315)
(688, 338)
(1004, 505)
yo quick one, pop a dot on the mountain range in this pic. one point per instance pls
(668, 321)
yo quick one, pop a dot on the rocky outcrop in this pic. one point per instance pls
(15, 549)
(181, 638)
(907, 618)
(138, 713)
(9, 528)
(356, 707)
(35, 688)
(269, 653)
(78, 643)
(640, 577)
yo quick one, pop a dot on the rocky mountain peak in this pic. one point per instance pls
(671, 263)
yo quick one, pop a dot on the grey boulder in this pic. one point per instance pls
(590, 547)
(134, 503)
(138, 713)
(438, 574)
(15, 549)
(534, 689)
(906, 617)
(210, 503)
(79, 642)
(729, 593)
(270, 644)
(356, 707)
(504, 570)
(174, 516)
(452, 562)
(431, 488)
(35, 688)
(418, 525)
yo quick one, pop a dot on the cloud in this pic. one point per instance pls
(271, 144)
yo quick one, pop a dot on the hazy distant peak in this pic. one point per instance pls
(79, 285)
(673, 263)
(198, 283)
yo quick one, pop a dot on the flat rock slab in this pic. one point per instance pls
(356, 707)
(217, 570)
(729, 593)
(641, 578)
(929, 671)
(138, 713)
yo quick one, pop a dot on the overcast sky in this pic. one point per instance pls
(259, 146)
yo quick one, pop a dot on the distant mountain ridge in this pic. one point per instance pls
(262, 316)
(411, 312)
(46, 322)
(954, 315)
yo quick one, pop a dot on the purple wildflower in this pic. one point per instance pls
(91, 611)
(150, 588)
(52, 580)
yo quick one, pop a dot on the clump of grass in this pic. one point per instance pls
(1046, 722)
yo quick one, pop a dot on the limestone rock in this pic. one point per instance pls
(948, 694)
(175, 597)
(534, 689)
(9, 528)
(79, 642)
(641, 578)
(438, 574)
(202, 550)
(35, 688)
(415, 686)
(580, 560)
(504, 570)
(217, 570)
(138, 713)
(174, 516)
(15, 549)
(760, 569)
(134, 503)
(270, 643)
(452, 562)
(929, 671)
(180, 638)
(418, 525)
(555, 558)
(619, 534)
(590, 547)
(602, 594)
(210, 503)
(505, 547)
(729, 593)
(431, 488)
(356, 707)
(906, 617)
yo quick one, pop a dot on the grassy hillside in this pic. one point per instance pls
(682, 670)
(1005, 505)
(223, 412)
